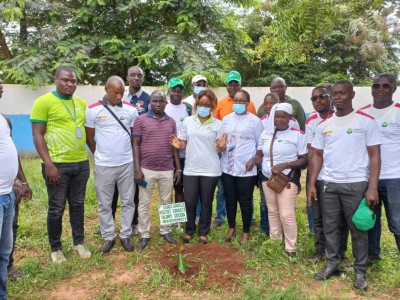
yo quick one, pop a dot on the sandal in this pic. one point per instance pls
(231, 235)
(186, 239)
(203, 240)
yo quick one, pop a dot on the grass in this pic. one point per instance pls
(270, 274)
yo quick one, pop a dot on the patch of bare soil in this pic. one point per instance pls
(212, 265)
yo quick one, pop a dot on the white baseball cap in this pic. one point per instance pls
(197, 78)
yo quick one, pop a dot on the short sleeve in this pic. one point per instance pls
(137, 129)
(220, 130)
(257, 132)
(182, 133)
(90, 120)
(260, 141)
(309, 133)
(134, 117)
(302, 144)
(318, 141)
(40, 111)
(373, 134)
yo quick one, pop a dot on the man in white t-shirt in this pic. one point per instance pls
(347, 150)
(178, 110)
(387, 114)
(199, 83)
(111, 120)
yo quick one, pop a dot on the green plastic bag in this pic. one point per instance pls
(364, 218)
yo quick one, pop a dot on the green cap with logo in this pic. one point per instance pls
(364, 218)
(175, 81)
(233, 76)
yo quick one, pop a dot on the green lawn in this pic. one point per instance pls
(268, 272)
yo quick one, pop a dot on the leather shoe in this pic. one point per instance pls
(127, 244)
(168, 237)
(360, 283)
(107, 245)
(143, 243)
(326, 273)
(317, 257)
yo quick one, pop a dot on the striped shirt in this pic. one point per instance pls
(156, 153)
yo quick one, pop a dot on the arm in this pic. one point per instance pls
(315, 168)
(137, 141)
(374, 154)
(177, 143)
(310, 154)
(90, 132)
(299, 163)
(51, 171)
(178, 171)
(26, 190)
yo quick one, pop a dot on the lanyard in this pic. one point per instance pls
(66, 107)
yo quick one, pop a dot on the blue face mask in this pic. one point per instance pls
(203, 111)
(198, 89)
(239, 108)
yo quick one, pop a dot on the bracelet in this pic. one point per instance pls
(178, 170)
(24, 183)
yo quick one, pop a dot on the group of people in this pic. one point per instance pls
(189, 147)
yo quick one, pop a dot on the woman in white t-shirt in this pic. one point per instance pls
(203, 137)
(244, 130)
(289, 155)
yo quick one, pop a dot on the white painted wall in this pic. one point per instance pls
(18, 99)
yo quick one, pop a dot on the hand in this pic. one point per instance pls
(52, 174)
(175, 142)
(177, 177)
(372, 196)
(250, 165)
(312, 194)
(279, 168)
(222, 142)
(19, 193)
(139, 176)
(26, 192)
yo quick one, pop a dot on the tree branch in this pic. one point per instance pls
(4, 47)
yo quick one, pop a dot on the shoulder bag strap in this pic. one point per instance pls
(271, 156)
(116, 118)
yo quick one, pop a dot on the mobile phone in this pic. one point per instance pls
(143, 183)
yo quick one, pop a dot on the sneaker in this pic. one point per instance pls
(57, 257)
(216, 224)
(82, 250)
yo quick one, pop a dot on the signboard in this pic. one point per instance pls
(172, 213)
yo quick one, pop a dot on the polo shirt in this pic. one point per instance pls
(178, 113)
(8, 158)
(243, 135)
(292, 122)
(140, 100)
(113, 144)
(388, 120)
(288, 146)
(58, 115)
(201, 153)
(225, 107)
(156, 153)
(344, 141)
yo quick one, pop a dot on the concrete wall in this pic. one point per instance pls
(17, 103)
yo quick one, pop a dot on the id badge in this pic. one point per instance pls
(78, 132)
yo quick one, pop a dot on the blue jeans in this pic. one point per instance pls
(72, 187)
(389, 194)
(6, 238)
(264, 224)
(221, 209)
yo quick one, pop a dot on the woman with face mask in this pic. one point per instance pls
(244, 130)
(203, 137)
(282, 148)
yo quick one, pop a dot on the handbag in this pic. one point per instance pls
(277, 182)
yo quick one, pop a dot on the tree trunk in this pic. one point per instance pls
(4, 47)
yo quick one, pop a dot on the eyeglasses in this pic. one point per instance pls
(377, 86)
(320, 96)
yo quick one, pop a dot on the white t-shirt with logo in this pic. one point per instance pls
(113, 144)
(201, 153)
(388, 120)
(8, 158)
(288, 146)
(292, 122)
(243, 135)
(178, 113)
(344, 141)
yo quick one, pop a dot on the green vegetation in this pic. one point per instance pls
(269, 273)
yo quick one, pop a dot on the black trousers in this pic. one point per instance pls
(239, 189)
(343, 199)
(114, 204)
(195, 188)
(72, 187)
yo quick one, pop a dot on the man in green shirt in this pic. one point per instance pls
(59, 136)
(278, 86)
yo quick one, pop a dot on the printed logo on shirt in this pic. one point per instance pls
(390, 124)
(122, 118)
(327, 133)
(101, 118)
(182, 118)
(349, 131)
(385, 124)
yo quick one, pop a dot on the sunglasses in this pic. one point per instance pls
(320, 96)
(377, 86)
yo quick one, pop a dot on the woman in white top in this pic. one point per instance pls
(244, 130)
(289, 155)
(203, 137)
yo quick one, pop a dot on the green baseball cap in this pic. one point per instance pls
(175, 81)
(364, 218)
(233, 76)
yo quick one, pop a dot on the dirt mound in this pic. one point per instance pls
(211, 265)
